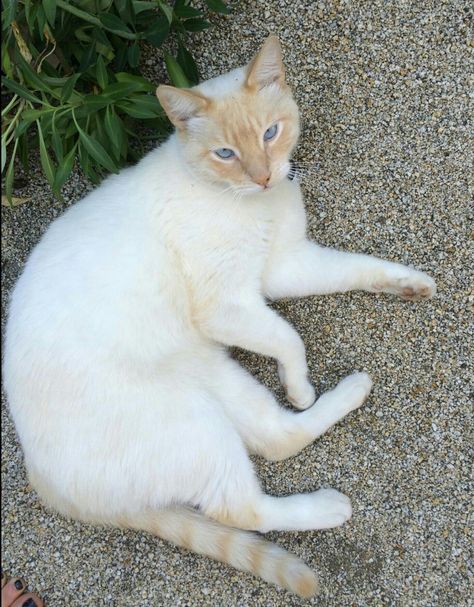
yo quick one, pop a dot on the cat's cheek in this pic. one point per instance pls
(284, 170)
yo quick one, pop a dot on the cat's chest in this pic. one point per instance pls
(226, 241)
(246, 237)
(254, 235)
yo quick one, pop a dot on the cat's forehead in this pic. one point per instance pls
(224, 85)
(237, 110)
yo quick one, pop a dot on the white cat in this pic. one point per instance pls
(128, 408)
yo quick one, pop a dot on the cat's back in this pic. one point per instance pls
(100, 274)
(105, 236)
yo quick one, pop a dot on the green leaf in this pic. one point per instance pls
(143, 106)
(196, 25)
(46, 163)
(218, 6)
(30, 14)
(158, 32)
(119, 90)
(21, 90)
(103, 5)
(139, 81)
(89, 57)
(8, 14)
(96, 150)
(114, 24)
(23, 151)
(126, 10)
(167, 10)
(121, 57)
(175, 71)
(65, 168)
(21, 128)
(143, 5)
(185, 12)
(84, 15)
(99, 133)
(85, 161)
(133, 55)
(68, 88)
(100, 36)
(186, 61)
(105, 51)
(30, 75)
(55, 82)
(94, 103)
(83, 33)
(57, 141)
(41, 19)
(6, 63)
(102, 43)
(4, 153)
(101, 73)
(32, 115)
(50, 11)
(114, 129)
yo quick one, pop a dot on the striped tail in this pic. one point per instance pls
(242, 549)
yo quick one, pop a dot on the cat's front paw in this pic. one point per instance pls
(301, 396)
(413, 286)
(300, 393)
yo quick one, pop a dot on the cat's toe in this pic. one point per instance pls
(414, 286)
(420, 287)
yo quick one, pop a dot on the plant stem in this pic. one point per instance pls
(7, 108)
(14, 119)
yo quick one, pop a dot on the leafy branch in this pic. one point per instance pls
(71, 86)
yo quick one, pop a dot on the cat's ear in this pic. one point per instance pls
(181, 104)
(267, 66)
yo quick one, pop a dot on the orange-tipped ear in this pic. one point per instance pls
(181, 104)
(267, 65)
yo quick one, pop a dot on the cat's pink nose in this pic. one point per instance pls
(262, 179)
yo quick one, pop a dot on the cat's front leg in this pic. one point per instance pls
(251, 325)
(305, 268)
(298, 390)
(403, 281)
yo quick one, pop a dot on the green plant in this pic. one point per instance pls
(71, 85)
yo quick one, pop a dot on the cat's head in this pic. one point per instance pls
(238, 130)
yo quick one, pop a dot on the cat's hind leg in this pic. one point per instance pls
(267, 428)
(257, 511)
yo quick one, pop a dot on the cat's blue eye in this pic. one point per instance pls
(270, 132)
(225, 153)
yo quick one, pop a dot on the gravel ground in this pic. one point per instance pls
(386, 94)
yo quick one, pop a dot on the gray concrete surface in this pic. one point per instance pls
(386, 94)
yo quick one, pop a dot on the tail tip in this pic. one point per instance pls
(305, 583)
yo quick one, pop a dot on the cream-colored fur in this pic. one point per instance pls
(128, 408)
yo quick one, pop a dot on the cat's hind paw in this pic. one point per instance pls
(331, 508)
(353, 390)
